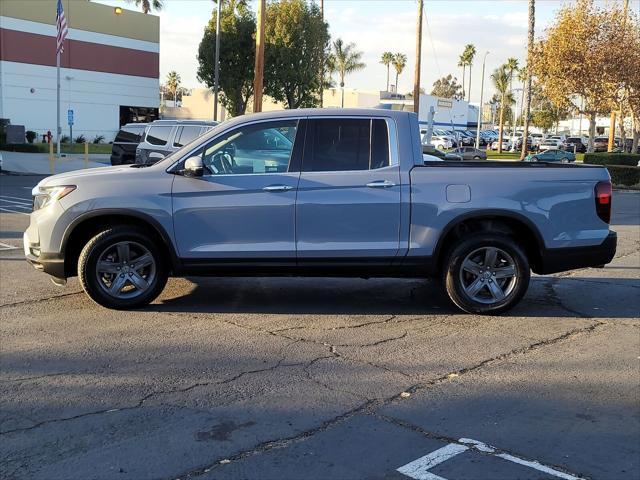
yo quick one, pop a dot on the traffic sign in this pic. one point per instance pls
(70, 117)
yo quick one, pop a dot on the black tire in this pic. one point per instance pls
(90, 254)
(452, 276)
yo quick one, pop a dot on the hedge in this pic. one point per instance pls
(622, 175)
(630, 159)
(20, 147)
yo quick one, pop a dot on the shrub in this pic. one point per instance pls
(623, 175)
(64, 139)
(31, 135)
(80, 139)
(98, 139)
(612, 158)
(21, 147)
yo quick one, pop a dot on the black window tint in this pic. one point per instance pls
(339, 145)
(130, 134)
(379, 145)
(186, 134)
(158, 135)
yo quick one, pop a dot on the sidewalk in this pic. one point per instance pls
(38, 163)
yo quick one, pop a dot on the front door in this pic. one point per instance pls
(348, 205)
(243, 207)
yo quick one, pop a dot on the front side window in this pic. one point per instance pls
(158, 135)
(347, 144)
(258, 148)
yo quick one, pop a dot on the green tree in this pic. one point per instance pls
(447, 87)
(399, 62)
(345, 59)
(386, 60)
(462, 62)
(296, 39)
(147, 5)
(500, 78)
(173, 82)
(469, 54)
(237, 54)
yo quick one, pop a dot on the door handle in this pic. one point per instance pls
(277, 188)
(381, 184)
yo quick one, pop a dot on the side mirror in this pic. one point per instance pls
(193, 167)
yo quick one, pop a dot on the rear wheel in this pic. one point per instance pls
(486, 273)
(477, 158)
(122, 268)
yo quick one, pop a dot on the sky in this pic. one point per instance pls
(375, 26)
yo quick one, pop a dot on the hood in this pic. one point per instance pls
(75, 175)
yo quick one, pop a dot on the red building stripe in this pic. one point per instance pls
(37, 49)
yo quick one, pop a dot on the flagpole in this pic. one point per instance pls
(58, 129)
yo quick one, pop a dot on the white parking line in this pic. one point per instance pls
(27, 200)
(20, 205)
(12, 211)
(4, 246)
(13, 202)
(418, 469)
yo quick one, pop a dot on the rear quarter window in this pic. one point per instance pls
(130, 134)
(158, 135)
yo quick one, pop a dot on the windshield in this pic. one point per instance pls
(169, 159)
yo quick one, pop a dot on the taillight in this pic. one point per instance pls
(603, 200)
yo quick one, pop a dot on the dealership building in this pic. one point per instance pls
(110, 67)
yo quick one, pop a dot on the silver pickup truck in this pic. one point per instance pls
(320, 193)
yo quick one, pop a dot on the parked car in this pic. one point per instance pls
(553, 155)
(442, 142)
(466, 138)
(536, 139)
(470, 153)
(163, 137)
(601, 144)
(434, 152)
(517, 145)
(575, 144)
(506, 144)
(348, 195)
(123, 149)
(550, 144)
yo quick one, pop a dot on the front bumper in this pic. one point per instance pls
(555, 260)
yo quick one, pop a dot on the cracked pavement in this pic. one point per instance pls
(318, 378)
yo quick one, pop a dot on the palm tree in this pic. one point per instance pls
(399, 62)
(527, 85)
(148, 5)
(462, 62)
(469, 54)
(173, 82)
(386, 60)
(501, 80)
(512, 67)
(345, 59)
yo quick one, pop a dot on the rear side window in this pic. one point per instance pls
(158, 135)
(186, 134)
(336, 145)
(130, 134)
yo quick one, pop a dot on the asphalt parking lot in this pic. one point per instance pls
(319, 378)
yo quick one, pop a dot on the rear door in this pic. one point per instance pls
(348, 205)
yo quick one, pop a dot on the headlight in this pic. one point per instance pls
(43, 196)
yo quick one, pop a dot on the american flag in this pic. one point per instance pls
(61, 23)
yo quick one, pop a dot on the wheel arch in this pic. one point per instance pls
(83, 228)
(496, 221)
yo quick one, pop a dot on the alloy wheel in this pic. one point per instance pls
(488, 275)
(125, 269)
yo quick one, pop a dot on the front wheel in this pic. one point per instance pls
(486, 274)
(122, 268)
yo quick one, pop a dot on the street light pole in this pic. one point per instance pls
(216, 79)
(416, 85)
(259, 65)
(479, 126)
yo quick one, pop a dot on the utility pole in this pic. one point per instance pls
(527, 85)
(322, 60)
(216, 81)
(259, 66)
(416, 84)
(612, 120)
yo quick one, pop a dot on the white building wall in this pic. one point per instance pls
(449, 113)
(29, 98)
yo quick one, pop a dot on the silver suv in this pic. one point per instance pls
(164, 137)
